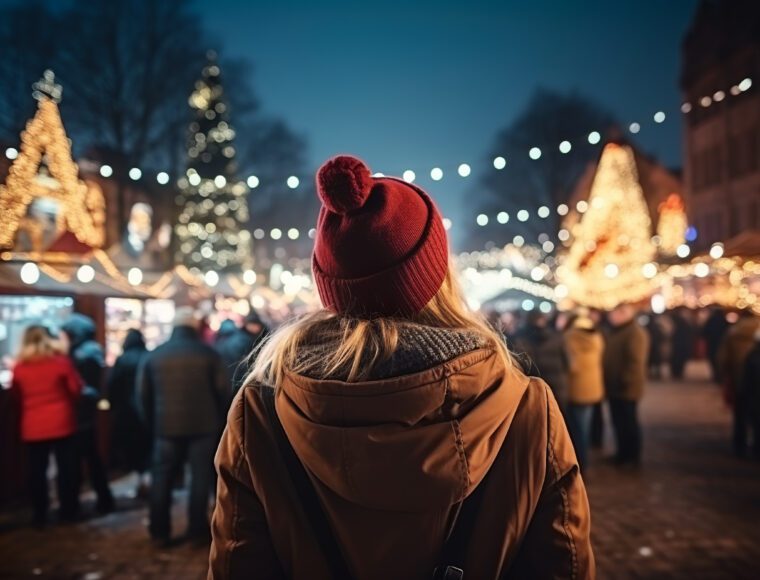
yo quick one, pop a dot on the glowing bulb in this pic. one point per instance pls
(249, 277)
(548, 246)
(293, 182)
(545, 307)
(211, 278)
(446, 224)
(106, 170)
(745, 85)
(259, 234)
(252, 181)
(634, 128)
(499, 162)
(436, 174)
(537, 274)
(534, 153)
(135, 276)
(565, 147)
(582, 206)
(482, 219)
(409, 176)
(719, 96)
(563, 235)
(560, 291)
(562, 209)
(594, 137)
(611, 271)
(528, 304)
(135, 173)
(30, 273)
(11, 153)
(220, 181)
(523, 215)
(312, 233)
(502, 217)
(293, 233)
(701, 270)
(518, 241)
(85, 274)
(658, 304)
(464, 170)
(276, 233)
(705, 101)
(162, 178)
(716, 251)
(686, 108)
(194, 179)
(543, 212)
(649, 270)
(683, 251)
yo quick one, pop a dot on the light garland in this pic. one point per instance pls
(82, 208)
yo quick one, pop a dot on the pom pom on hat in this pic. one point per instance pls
(344, 184)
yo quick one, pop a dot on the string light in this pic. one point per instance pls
(634, 128)
(565, 147)
(482, 219)
(135, 173)
(716, 251)
(499, 163)
(594, 137)
(11, 153)
(292, 182)
(106, 170)
(502, 217)
(464, 170)
(534, 153)
(436, 174)
(85, 274)
(135, 276)
(30, 273)
(162, 178)
(252, 181)
(409, 176)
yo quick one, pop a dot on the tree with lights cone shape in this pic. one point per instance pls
(210, 229)
(605, 264)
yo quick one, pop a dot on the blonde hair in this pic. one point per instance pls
(36, 344)
(356, 345)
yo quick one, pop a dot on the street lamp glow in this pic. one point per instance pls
(499, 162)
(85, 274)
(482, 219)
(106, 170)
(502, 217)
(594, 137)
(162, 178)
(523, 215)
(252, 181)
(292, 182)
(293, 233)
(409, 176)
(534, 153)
(683, 251)
(565, 147)
(716, 251)
(135, 173)
(464, 170)
(30, 273)
(634, 128)
(211, 278)
(436, 174)
(543, 212)
(659, 117)
(135, 276)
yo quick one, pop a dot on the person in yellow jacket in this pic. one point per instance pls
(585, 348)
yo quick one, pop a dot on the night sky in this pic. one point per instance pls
(416, 86)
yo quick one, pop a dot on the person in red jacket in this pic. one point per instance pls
(47, 388)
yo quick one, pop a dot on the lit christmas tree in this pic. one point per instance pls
(672, 225)
(609, 262)
(210, 231)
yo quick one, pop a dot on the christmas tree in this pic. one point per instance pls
(210, 232)
(607, 263)
(672, 225)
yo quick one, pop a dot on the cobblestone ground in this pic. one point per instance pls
(691, 511)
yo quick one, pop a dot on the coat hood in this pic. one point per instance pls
(79, 328)
(408, 443)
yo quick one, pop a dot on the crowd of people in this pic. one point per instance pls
(167, 407)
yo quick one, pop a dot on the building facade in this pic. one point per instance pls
(720, 85)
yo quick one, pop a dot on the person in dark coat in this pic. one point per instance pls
(656, 346)
(89, 360)
(129, 439)
(682, 342)
(713, 331)
(748, 396)
(235, 346)
(183, 389)
(625, 375)
(544, 355)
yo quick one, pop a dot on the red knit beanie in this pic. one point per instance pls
(380, 248)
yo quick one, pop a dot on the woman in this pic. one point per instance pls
(47, 387)
(371, 430)
(131, 442)
(585, 351)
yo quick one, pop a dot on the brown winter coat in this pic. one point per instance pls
(733, 351)
(390, 459)
(625, 361)
(585, 349)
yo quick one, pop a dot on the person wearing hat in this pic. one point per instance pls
(389, 435)
(183, 391)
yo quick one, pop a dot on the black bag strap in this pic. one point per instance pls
(305, 491)
(454, 552)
